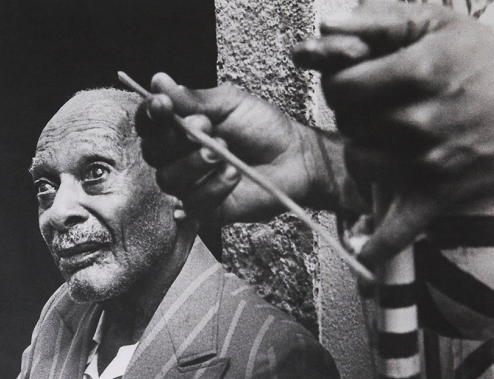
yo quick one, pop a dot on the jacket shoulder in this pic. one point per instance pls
(47, 313)
(266, 342)
(59, 298)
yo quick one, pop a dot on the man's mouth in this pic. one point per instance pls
(80, 256)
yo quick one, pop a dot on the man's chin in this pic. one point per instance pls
(85, 289)
(86, 294)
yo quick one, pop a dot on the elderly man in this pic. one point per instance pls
(143, 297)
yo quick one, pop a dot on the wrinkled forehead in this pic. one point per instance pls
(93, 114)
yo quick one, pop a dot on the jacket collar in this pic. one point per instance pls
(64, 339)
(184, 328)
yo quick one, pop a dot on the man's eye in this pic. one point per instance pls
(44, 187)
(96, 173)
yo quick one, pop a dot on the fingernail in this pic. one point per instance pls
(231, 173)
(208, 155)
(154, 104)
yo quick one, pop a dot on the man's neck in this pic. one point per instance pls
(136, 306)
(128, 315)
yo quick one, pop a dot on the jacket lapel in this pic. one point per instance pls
(77, 352)
(63, 342)
(182, 337)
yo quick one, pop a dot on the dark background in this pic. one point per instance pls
(50, 49)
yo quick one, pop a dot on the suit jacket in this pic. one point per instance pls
(210, 324)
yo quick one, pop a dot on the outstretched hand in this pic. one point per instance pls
(258, 133)
(416, 108)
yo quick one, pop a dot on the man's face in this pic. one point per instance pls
(102, 216)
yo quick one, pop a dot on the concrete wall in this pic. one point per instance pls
(291, 267)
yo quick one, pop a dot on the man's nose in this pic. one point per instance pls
(67, 209)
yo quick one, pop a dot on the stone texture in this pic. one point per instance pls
(254, 40)
(290, 266)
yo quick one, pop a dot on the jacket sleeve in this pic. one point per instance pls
(294, 353)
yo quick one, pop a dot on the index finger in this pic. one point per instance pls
(387, 25)
(152, 114)
(163, 140)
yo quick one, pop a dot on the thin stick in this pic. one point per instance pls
(260, 180)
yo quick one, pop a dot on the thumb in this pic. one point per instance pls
(216, 103)
(181, 96)
(408, 215)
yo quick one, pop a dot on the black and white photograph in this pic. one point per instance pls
(229, 189)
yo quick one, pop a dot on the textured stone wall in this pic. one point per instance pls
(279, 259)
(254, 38)
(289, 265)
(278, 256)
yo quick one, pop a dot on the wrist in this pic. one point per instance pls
(330, 186)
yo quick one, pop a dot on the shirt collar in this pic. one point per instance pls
(117, 366)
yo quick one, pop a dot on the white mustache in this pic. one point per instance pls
(80, 234)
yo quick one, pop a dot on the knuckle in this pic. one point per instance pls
(158, 76)
(228, 87)
(205, 158)
(221, 142)
(423, 69)
(430, 74)
(230, 176)
(420, 117)
(200, 122)
(437, 160)
(231, 92)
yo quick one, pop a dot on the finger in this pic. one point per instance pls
(167, 144)
(158, 112)
(162, 139)
(212, 191)
(199, 123)
(331, 53)
(165, 148)
(402, 132)
(216, 103)
(382, 83)
(407, 217)
(386, 25)
(153, 115)
(182, 176)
